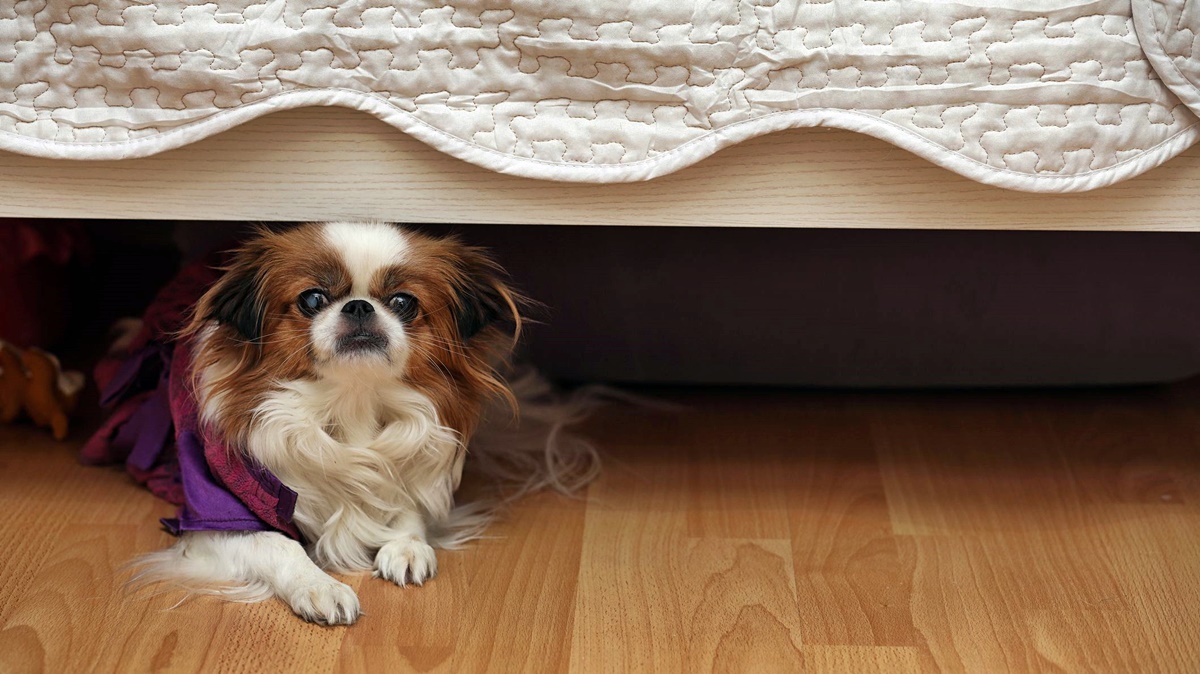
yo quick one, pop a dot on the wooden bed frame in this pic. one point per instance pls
(331, 163)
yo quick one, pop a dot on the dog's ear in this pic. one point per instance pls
(236, 303)
(235, 300)
(483, 299)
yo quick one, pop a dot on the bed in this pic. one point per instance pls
(1046, 96)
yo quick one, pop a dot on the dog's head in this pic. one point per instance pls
(363, 302)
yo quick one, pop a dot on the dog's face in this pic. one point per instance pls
(359, 307)
(343, 300)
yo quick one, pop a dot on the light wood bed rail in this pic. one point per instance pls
(329, 163)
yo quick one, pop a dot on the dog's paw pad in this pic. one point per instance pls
(325, 601)
(406, 561)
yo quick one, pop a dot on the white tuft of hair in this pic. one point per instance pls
(174, 569)
(533, 450)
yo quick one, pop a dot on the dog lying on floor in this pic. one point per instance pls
(323, 396)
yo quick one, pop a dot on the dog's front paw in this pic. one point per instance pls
(406, 561)
(325, 601)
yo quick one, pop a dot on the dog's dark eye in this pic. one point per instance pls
(312, 301)
(403, 305)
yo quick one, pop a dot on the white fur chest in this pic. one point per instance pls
(360, 454)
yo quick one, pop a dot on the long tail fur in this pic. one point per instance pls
(172, 570)
(533, 451)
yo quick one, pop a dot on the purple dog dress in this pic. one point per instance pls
(153, 427)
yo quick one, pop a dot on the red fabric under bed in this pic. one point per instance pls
(154, 429)
(34, 257)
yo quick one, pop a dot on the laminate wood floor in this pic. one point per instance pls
(752, 532)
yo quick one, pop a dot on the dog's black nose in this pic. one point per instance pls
(359, 309)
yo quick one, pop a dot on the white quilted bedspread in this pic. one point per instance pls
(1045, 95)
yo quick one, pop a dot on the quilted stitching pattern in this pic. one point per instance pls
(1050, 89)
(1170, 31)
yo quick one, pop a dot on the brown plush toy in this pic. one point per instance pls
(33, 381)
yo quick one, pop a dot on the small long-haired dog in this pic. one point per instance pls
(353, 362)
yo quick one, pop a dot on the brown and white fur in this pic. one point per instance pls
(361, 403)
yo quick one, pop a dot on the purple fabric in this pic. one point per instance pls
(103, 447)
(142, 370)
(138, 432)
(216, 487)
(223, 489)
(207, 504)
(153, 426)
